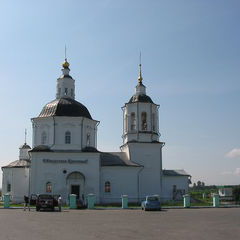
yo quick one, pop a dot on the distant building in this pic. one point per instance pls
(226, 191)
(65, 159)
(15, 179)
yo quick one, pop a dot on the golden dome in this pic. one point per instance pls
(65, 64)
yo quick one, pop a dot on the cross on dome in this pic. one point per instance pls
(140, 69)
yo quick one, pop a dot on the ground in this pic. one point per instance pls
(202, 224)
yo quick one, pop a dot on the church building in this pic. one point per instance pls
(64, 158)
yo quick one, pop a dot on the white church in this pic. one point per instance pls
(64, 158)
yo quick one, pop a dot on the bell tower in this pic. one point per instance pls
(141, 139)
(140, 116)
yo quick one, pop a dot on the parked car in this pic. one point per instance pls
(55, 200)
(151, 203)
(45, 201)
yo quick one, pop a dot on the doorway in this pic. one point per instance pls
(75, 189)
(76, 184)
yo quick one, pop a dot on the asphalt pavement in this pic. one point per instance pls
(194, 224)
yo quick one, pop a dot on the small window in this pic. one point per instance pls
(43, 138)
(88, 139)
(67, 137)
(66, 91)
(107, 187)
(133, 121)
(59, 91)
(144, 121)
(71, 92)
(48, 187)
(8, 187)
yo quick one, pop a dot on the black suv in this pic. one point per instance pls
(45, 201)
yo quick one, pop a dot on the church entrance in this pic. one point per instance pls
(75, 189)
(76, 184)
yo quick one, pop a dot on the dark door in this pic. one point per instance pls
(75, 189)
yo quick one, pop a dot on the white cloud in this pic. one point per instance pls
(227, 173)
(235, 172)
(234, 153)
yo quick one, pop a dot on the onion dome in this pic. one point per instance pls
(65, 70)
(24, 146)
(66, 64)
(140, 98)
(140, 94)
(65, 106)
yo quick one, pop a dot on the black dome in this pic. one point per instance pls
(25, 146)
(140, 98)
(65, 106)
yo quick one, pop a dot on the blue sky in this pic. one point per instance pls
(190, 60)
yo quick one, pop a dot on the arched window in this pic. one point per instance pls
(133, 121)
(66, 91)
(43, 138)
(144, 121)
(88, 139)
(59, 91)
(107, 187)
(8, 187)
(67, 137)
(71, 92)
(48, 187)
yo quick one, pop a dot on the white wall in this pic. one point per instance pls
(55, 128)
(19, 180)
(41, 172)
(149, 155)
(63, 83)
(124, 181)
(181, 182)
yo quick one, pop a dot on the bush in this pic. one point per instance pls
(236, 193)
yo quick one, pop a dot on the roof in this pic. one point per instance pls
(179, 172)
(41, 148)
(45, 148)
(18, 164)
(25, 146)
(65, 76)
(106, 158)
(140, 98)
(65, 106)
(116, 159)
(89, 149)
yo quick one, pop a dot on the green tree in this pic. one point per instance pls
(236, 193)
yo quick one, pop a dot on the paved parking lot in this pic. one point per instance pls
(194, 224)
